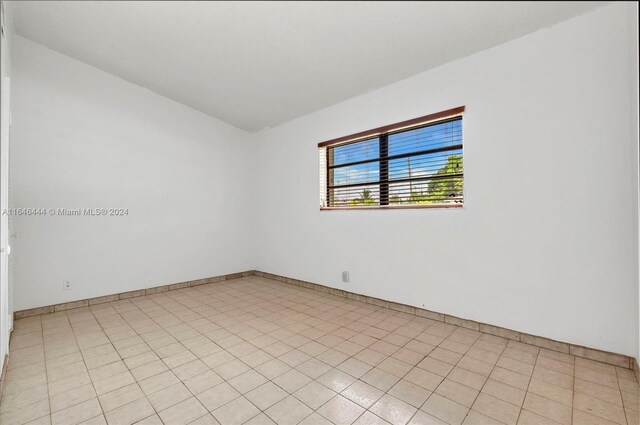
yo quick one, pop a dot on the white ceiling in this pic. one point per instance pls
(259, 64)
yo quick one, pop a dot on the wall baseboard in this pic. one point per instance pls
(614, 359)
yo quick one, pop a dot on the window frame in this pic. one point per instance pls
(382, 134)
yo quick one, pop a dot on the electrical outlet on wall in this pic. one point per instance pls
(66, 285)
(345, 277)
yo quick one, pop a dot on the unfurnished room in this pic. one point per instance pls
(319, 213)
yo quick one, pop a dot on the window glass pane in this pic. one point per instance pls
(353, 174)
(354, 152)
(426, 138)
(449, 162)
(355, 196)
(441, 191)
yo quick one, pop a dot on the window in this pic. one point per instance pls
(411, 164)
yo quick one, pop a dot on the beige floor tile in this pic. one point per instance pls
(601, 392)
(336, 380)
(26, 413)
(189, 370)
(334, 358)
(552, 377)
(313, 368)
(368, 418)
(410, 393)
(510, 378)
(130, 413)
(101, 360)
(120, 397)
(550, 391)
(447, 410)
(557, 365)
(184, 412)
(231, 369)
(584, 418)
(631, 401)
(633, 417)
(425, 379)
(597, 407)
(314, 394)
(468, 378)
(354, 367)
(567, 358)
(408, 356)
(77, 414)
(289, 411)
(596, 376)
(60, 372)
(548, 408)
(504, 392)
(477, 418)
(395, 367)
(203, 381)
(112, 383)
(266, 395)
(169, 396)
(101, 420)
(595, 365)
(628, 386)
(423, 418)
(340, 411)
(393, 410)
(236, 412)
(477, 366)
(263, 419)
(483, 355)
(497, 409)
(153, 420)
(141, 360)
(12, 400)
(517, 353)
(380, 379)
(218, 358)
(69, 398)
(530, 418)
(272, 368)
(108, 370)
(148, 370)
(158, 382)
(218, 396)
(514, 365)
(436, 366)
(362, 394)
(457, 392)
(291, 381)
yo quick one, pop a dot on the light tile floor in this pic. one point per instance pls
(256, 351)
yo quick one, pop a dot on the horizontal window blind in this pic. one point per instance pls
(416, 163)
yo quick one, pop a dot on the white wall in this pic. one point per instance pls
(83, 138)
(6, 318)
(545, 243)
(633, 57)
